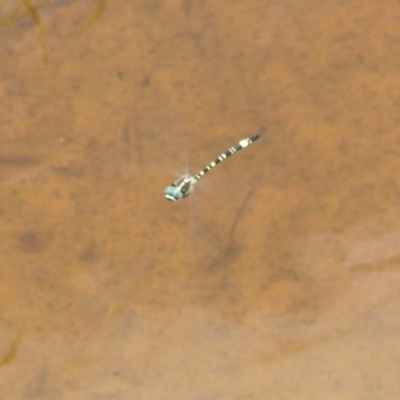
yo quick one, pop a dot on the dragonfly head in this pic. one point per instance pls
(181, 188)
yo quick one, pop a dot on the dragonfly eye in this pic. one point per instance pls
(172, 193)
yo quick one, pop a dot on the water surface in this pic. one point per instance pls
(279, 280)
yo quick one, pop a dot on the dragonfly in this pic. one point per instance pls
(184, 186)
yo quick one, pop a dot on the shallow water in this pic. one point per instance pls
(281, 282)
